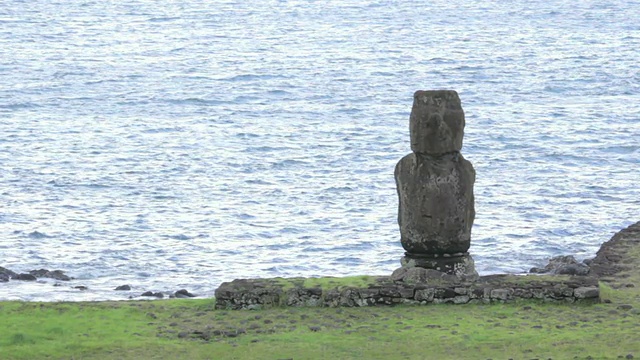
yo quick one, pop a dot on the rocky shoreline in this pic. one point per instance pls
(563, 279)
(7, 275)
(567, 281)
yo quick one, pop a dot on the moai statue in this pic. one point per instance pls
(435, 188)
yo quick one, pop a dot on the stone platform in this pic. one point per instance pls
(259, 293)
(615, 259)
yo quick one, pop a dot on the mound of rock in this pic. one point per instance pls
(55, 274)
(616, 255)
(6, 275)
(563, 265)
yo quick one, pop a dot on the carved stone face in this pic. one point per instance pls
(437, 122)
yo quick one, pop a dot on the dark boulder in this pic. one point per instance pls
(55, 274)
(123, 288)
(563, 265)
(6, 272)
(183, 294)
(24, 277)
(158, 295)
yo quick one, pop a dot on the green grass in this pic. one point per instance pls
(192, 329)
(533, 278)
(360, 281)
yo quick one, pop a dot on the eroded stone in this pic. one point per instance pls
(437, 122)
(457, 268)
(436, 203)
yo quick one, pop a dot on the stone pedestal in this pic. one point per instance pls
(461, 266)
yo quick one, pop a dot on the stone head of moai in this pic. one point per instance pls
(435, 182)
(437, 122)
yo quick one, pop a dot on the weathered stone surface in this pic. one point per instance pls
(24, 277)
(436, 203)
(158, 295)
(248, 294)
(33, 275)
(563, 265)
(6, 272)
(435, 187)
(426, 286)
(463, 299)
(415, 275)
(303, 297)
(183, 294)
(437, 122)
(501, 294)
(460, 267)
(586, 292)
(55, 274)
(613, 256)
(425, 294)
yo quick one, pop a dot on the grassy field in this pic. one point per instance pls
(192, 329)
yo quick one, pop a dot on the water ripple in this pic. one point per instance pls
(172, 145)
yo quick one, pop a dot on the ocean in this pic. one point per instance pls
(171, 145)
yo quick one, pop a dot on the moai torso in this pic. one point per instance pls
(435, 182)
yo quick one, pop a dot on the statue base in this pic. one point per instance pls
(460, 265)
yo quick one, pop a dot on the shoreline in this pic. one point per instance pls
(569, 281)
(600, 266)
(195, 329)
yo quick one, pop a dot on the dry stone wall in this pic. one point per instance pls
(424, 286)
(260, 293)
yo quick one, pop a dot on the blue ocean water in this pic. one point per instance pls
(172, 145)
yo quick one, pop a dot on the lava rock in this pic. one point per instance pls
(56, 274)
(420, 275)
(24, 277)
(123, 288)
(158, 295)
(183, 294)
(436, 203)
(563, 265)
(437, 122)
(6, 272)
